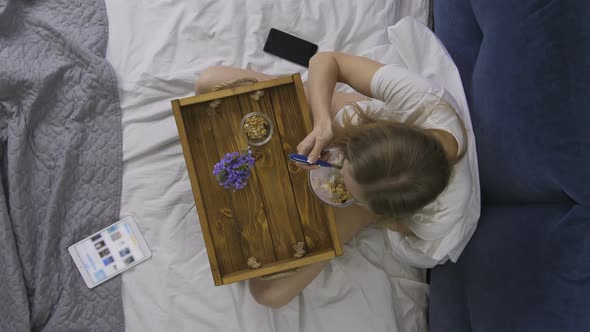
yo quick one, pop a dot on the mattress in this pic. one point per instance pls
(157, 49)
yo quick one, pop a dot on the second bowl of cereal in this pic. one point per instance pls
(329, 187)
(257, 128)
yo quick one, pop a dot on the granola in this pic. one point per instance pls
(338, 191)
(255, 127)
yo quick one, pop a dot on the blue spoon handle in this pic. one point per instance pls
(299, 158)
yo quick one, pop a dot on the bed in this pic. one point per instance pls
(74, 140)
(157, 50)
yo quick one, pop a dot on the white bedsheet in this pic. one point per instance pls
(157, 49)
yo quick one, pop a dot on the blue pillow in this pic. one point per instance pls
(526, 67)
(527, 268)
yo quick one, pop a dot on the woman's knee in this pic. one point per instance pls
(270, 297)
(220, 74)
(208, 78)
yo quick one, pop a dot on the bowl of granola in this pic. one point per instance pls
(327, 184)
(257, 128)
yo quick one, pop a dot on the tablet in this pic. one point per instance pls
(109, 252)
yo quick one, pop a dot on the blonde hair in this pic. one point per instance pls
(400, 167)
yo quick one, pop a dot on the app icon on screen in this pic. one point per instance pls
(96, 238)
(104, 253)
(113, 228)
(108, 260)
(116, 236)
(99, 245)
(124, 252)
(129, 260)
(99, 275)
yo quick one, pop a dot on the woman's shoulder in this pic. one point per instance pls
(457, 204)
(373, 108)
(401, 88)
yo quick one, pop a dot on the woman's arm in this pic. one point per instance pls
(328, 68)
(325, 70)
(278, 292)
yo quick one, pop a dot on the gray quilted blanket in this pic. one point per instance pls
(60, 153)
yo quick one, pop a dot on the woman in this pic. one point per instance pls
(407, 161)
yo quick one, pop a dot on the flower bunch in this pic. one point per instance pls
(232, 172)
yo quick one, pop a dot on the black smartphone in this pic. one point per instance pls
(289, 47)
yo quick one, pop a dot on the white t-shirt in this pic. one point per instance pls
(442, 228)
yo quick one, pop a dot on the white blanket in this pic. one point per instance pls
(157, 49)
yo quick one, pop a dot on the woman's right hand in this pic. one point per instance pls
(316, 141)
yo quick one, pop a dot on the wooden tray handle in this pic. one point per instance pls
(298, 248)
(278, 275)
(232, 84)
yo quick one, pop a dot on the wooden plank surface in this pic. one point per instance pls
(274, 184)
(247, 206)
(225, 265)
(290, 123)
(279, 266)
(225, 239)
(277, 208)
(308, 124)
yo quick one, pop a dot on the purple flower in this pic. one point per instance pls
(233, 170)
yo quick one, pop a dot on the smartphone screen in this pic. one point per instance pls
(289, 47)
(110, 251)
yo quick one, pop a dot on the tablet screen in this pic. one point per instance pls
(110, 251)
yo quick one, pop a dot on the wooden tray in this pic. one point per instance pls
(277, 208)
